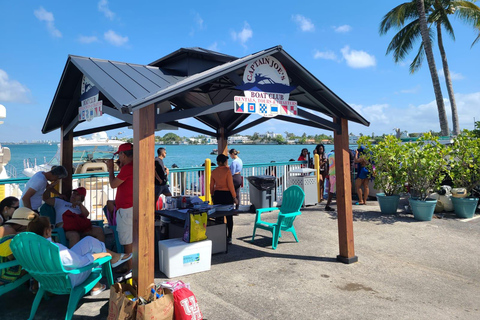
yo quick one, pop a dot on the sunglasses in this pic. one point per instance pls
(15, 207)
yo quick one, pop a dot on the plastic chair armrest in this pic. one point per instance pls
(97, 223)
(289, 215)
(9, 264)
(92, 265)
(262, 210)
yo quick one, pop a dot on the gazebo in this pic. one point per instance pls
(210, 87)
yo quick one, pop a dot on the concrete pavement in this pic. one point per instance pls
(406, 270)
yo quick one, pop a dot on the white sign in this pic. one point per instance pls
(90, 107)
(267, 89)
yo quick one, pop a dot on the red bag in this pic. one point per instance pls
(186, 305)
(75, 222)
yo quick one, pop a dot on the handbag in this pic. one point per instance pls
(195, 226)
(160, 306)
(75, 222)
(186, 305)
(120, 305)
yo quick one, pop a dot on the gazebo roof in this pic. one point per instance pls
(197, 83)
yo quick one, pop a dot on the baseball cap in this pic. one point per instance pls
(81, 191)
(124, 147)
(22, 216)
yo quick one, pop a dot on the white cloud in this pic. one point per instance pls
(47, 17)
(453, 75)
(12, 90)
(327, 55)
(115, 39)
(103, 7)
(213, 46)
(244, 35)
(303, 23)
(411, 90)
(198, 21)
(416, 118)
(358, 59)
(87, 39)
(342, 29)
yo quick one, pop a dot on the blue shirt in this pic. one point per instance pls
(236, 166)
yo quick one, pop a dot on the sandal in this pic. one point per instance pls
(95, 292)
(123, 258)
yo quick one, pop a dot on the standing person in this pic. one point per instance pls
(36, 186)
(75, 205)
(161, 175)
(332, 180)
(222, 189)
(304, 156)
(362, 177)
(236, 168)
(124, 197)
(323, 163)
(7, 207)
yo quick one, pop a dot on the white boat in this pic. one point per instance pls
(89, 156)
(7, 171)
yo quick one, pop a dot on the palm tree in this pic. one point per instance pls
(438, 11)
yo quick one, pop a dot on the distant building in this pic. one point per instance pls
(237, 140)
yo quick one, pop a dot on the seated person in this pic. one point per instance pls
(7, 207)
(82, 254)
(18, 223)
(75, 205)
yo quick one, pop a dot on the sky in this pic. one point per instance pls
(339, 44)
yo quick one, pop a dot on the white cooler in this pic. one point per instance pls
(178, 258)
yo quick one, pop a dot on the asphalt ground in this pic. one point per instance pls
(406, 269)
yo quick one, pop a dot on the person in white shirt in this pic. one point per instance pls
(36, 186)
(80, 255)
(76, 206)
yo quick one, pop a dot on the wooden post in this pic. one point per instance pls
(222, 142)
(344, 194)
(66, 160)
(143, 198)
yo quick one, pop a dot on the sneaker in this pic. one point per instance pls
(98, 291)
(328, 208)
(229, 240)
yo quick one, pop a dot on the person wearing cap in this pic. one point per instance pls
(123, 182)
(38, 183)
(18, 223)
(76, 206)
(161, 175)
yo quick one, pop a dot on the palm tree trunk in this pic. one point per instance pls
(448, 81)
(433, 69)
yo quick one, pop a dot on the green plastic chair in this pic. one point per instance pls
(291, 203)
(7, 264)
(41, 259)
(118, 246)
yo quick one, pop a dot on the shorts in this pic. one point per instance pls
(161, 189)
(333, 184)
(125, 225)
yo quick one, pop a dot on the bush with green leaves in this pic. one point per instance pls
(465, 161)
(425, 165)
(387, 157)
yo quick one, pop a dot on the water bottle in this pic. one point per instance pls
(184, 202)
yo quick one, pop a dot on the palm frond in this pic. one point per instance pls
(396, 17)
(404, 40)
(417, 62)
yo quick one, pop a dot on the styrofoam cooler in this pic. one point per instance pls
(178, 258)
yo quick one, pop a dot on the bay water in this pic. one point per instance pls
(184, 156)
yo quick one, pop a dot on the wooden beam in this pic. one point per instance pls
(143, 198)
(249, 125)
(303, 122)
(329, 125)
(222, 141)
(66, 160)
(344, 194)
(193, 112)
(105, 128)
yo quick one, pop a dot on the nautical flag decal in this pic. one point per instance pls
(293, 110)
(251, 107)
(285, 109)
(274, 109)
(239, 108)
(263, 108)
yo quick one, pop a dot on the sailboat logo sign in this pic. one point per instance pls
(267, 88)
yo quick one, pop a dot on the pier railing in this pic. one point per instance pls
(182, 181)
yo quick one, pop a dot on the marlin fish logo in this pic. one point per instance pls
(265, 84)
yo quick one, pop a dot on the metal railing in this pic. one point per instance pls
(182, 181)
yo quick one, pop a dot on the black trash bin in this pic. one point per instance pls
(262, 191)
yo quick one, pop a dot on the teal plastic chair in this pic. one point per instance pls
(7, 264)
(291, 203)
(57, 233)
(41, 259)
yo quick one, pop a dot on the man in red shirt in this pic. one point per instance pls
(124, 197)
